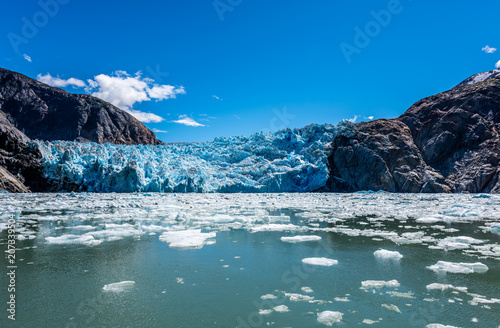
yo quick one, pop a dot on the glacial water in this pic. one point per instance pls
(244, 260)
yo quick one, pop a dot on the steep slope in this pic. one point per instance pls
(380, 155)
(20, 162)
(457, 133)
(47, 113)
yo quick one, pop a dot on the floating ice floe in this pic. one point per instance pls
(385, 254)
(298, 297)
(438, 325)
(119, 286)
(281, 308)
(461, 242)
(369, 284)
(299, 239)
(186, 239)
(391, 307)
(371, 322)
(265, 312)
(443, 287)
(73, 239)
(328, 318)
(321, 261)
(277, 227)
(451, 267)
(269, 297)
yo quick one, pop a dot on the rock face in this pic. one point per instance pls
(20, 163)
(47, 113)
(445, 143)
(457, 133)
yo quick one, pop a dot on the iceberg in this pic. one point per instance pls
(186, 239)
(321, 261)
(328, 318)
(290, 160)
(299, 239)
(443, 266)
(385, 254)
(119, 286)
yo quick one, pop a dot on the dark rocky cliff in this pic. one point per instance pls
(47, 113)
(444, 143)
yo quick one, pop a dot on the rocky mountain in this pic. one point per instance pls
(444, 143)
(47, 113)
(20, 162)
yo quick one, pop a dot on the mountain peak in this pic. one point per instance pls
(47, 113)
(480, 77)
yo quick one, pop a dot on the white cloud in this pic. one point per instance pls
(497, 65)
(369, 117)
(218, 98)
(124, 91)
(489, 50)
(28, 58)
(159, 131)
(60, 83)
(185, 120)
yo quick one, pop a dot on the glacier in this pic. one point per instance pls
(290, 160)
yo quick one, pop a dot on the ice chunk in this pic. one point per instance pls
(277, 227)
(391, 307)
(299, 239)
(328, 318)
(370, 322)
(369, 284)
(298, 297)
(186, 239)
(438, 325)
(322, 261)
(307, 289)
(269, 297)
(119, 286)
(443, 287)
(385, 254)
(70, 239)
(265, 312)
(443, 266)
(281, 308)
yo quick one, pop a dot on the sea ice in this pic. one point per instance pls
(369, 284)
(391, 307)
(298, 239)
(186, 239)
(321, 261)
(281, 308)
(438, 325)
(119, 286)
(443, 266)
(443, 287)
(328, 318)
(385, 254)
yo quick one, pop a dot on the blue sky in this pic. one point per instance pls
(236, 67)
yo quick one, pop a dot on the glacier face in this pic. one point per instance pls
(284, 161)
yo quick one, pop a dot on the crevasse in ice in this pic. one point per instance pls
(284, 161)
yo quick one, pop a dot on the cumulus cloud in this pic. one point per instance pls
(185, 120)
(497, 65)
(489, 50)
(60, 83)
(28, 58)
(122, 90)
